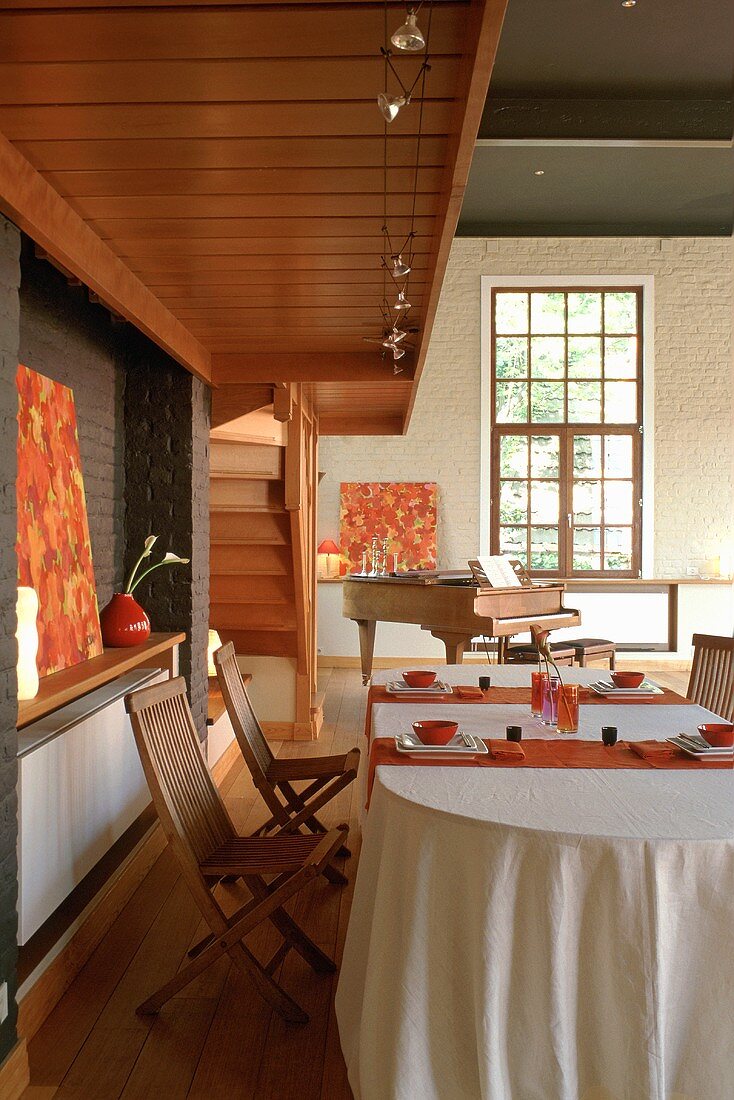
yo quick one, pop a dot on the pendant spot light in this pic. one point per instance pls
(390, 105)
(399, 267)
(408, 36)
(402, 302)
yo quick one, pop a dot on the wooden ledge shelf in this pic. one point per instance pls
(216, 703)
(71, 683)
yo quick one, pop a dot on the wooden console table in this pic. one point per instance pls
(71, 683)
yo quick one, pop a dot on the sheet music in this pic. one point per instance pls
(499, 571)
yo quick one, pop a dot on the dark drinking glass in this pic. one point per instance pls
(609, 735)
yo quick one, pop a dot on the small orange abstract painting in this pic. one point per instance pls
(403, 512)
(54, 550)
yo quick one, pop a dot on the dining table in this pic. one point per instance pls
(538, 932)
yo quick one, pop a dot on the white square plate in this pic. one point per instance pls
(409, 744)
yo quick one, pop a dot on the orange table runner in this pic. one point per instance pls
(543, 752)
(499, 695)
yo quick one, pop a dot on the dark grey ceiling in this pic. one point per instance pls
(627, 111)
(676, 48)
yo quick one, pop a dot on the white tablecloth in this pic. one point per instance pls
(540, 934)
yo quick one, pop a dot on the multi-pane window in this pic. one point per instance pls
(567, 415)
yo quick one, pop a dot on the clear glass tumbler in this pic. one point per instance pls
(537, 679)
(568, 708)
(549, 716)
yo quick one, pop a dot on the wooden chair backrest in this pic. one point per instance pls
(186, 799)
(712, 675)
(248, 730)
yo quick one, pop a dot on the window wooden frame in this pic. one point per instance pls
(566, 432)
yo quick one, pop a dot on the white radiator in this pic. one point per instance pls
(80, 786)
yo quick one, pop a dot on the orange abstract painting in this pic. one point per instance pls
(403, 512)
(54, 551)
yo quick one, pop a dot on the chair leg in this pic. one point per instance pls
(333, 875)
(268, 989)
(201, 945)
(292, 932)
(317, 826)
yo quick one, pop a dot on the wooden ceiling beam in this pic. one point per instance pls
(230, 402)
(368, 366)
(39, 211)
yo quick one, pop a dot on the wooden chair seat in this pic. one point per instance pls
(246, 855)
(314, 767)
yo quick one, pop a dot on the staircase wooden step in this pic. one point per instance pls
(262, 643)
(235, 495)
(253, 616)
(227, 561)
(251, 461)
(269, 528)
(240, 587)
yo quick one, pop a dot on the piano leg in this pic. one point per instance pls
(455, 645)
(366, 646)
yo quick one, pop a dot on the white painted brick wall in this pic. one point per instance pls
(694, 392)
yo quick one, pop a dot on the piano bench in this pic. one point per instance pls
(594, 649)
(563, 654)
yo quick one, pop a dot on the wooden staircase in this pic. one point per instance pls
(262, 553)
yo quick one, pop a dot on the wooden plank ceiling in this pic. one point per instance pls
(231, 156)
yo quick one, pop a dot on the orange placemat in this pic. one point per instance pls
(499, 695)
(543, 752)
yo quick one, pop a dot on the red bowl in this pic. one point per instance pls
(435, 732)
(720, 735)
(627, 679)
(421, 678)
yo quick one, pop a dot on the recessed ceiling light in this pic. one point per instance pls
(628, 3)
(538, 172)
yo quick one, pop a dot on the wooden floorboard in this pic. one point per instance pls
(217, 1039)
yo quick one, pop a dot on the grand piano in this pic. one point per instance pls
(454, 608)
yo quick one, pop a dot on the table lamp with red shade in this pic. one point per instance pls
(327, 549)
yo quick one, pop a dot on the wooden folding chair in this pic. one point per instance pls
(291, 810)
(712, 675)
(208, 848)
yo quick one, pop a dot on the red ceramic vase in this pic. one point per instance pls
(123, 622)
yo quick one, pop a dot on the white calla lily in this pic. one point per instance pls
(168, 559)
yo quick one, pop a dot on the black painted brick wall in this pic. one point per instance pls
(167, 494)
(65, 337)
(9, 281)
